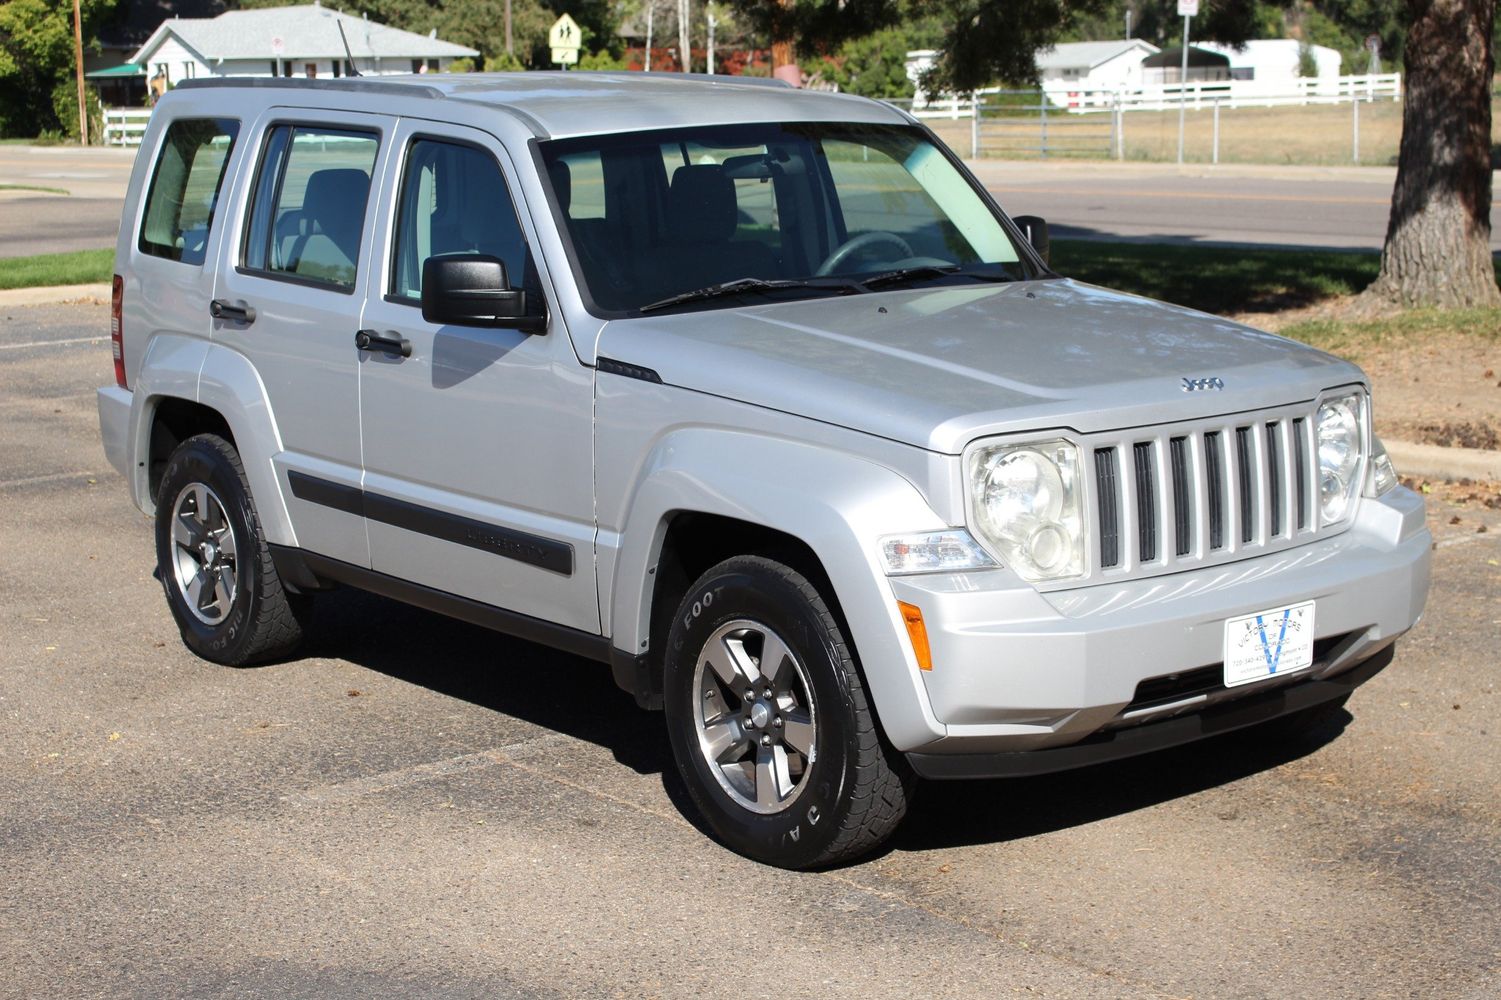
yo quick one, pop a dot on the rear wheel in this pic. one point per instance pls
(213, 561)
(770, 724)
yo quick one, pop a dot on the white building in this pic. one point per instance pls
(286, 41)
(1275, 61)
(1075, 67)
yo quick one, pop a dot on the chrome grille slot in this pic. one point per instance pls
(1146, 503)
(1274, 477)
(1300, 471)
(1245, 483)
(1214, 462)
(1182, 496)
(1107, 479)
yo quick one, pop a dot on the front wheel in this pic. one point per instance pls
(770, 723)
(221, 585)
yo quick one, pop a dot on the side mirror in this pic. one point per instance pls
(1036, 231)
(468, 289)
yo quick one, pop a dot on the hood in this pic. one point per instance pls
(937, 368)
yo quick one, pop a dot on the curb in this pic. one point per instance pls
(1432, 462)
(49, 295)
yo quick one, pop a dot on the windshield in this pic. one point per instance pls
(804, 209)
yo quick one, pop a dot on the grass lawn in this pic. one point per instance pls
(82, 267)
(1229, 281)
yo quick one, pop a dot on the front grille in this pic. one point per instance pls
(1200, 494)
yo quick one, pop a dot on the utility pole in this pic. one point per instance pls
(510, 46)
(651, 8)
(685, 24)
(83, 103)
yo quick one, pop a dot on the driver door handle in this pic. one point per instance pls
(239, 312)
(370, 340)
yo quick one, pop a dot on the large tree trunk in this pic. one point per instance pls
(1438, 242)
(783, 66)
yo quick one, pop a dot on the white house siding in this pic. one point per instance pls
(180, 62)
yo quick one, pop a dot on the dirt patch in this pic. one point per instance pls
(1449, 434)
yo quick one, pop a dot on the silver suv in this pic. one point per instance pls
(754, 395)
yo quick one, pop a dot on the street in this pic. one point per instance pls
(1339, 207)
(415, 806)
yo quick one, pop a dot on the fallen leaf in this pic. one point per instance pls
(113, 737)
(353, 693)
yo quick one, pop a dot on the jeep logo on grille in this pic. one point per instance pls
(1203, 384)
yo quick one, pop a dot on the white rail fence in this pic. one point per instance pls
(125, 126)
(1197, 94)
(1060, 122)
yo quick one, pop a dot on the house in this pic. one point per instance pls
(1276, 61)
(286, 41)
(1073, 67)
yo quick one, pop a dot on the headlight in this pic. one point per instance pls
(1028, 507)
(1383, 474)
(950, 551)
(1339, 443)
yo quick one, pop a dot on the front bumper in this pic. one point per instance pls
(1017, 671)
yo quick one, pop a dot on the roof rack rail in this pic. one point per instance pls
(361, 85)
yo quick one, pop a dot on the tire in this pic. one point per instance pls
(800, 779)
(227, 598)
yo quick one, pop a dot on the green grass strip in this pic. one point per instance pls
(32, 187)
(81, 267)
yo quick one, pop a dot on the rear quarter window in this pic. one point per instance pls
(185, 187)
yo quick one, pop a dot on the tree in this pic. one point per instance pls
(36, 61)
(1438, 238)
(818, 26)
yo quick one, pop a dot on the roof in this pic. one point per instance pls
(1196, 57)
(557, 104)
(309, 32)
(114, 72)
(1071, 55)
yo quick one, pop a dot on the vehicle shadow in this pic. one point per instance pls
(558, 691)
(962, 813)
(578, 698)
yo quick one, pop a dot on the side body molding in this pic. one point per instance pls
(838, 504)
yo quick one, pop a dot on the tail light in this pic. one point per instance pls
(117, 329)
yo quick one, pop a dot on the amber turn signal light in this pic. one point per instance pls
(918, 633)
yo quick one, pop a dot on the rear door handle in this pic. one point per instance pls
(240, 312)
(370, 340)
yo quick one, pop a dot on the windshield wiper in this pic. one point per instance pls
(930, 271)
(741, 286)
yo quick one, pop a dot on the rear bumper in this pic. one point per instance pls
(1122, 743)
(114, 427)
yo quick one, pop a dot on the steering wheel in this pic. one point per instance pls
(850, 247)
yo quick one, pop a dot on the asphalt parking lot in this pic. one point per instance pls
(418, 807)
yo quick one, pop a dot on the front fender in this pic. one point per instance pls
(839, 505)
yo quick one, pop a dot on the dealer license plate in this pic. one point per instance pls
(1268, 644)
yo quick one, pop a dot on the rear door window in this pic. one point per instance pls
(308, 218)
(185, 188)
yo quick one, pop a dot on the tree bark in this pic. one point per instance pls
(1438, 250)
(783, 66)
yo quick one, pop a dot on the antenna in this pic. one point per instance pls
(342, 38)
